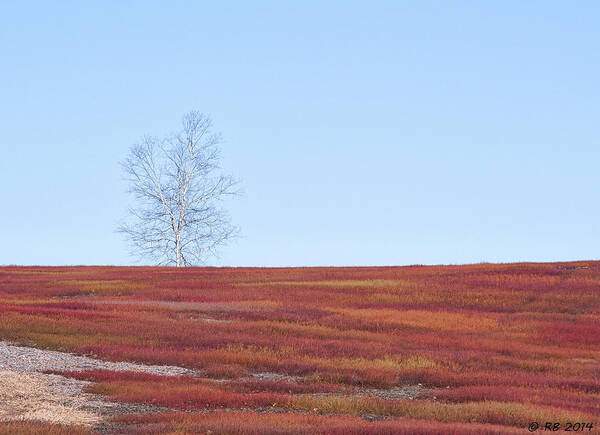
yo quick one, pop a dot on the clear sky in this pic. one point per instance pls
(366, 133)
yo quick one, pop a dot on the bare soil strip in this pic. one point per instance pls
(52, 398)
(29, 359)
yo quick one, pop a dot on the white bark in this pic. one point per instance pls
(178, 219)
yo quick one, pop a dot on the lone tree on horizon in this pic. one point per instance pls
(178, 218)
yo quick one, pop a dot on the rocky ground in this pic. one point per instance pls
(27, 393)
(29, 359)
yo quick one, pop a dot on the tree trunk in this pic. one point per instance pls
(178, 251)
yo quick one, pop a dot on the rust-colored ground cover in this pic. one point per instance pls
(470, 349)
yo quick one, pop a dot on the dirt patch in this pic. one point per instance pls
(190, 316)
(26, 393)
(586, 360)
(407, 392)
(268, 376)
(56, 399)
(29, 359)
(51, 398)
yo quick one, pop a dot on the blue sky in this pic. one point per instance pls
(366, 133)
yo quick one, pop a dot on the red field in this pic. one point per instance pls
(448, 349)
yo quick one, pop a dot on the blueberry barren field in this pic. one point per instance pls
(420, 349)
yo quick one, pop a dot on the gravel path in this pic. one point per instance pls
(29, 359)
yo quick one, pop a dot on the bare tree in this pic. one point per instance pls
(178, 218)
